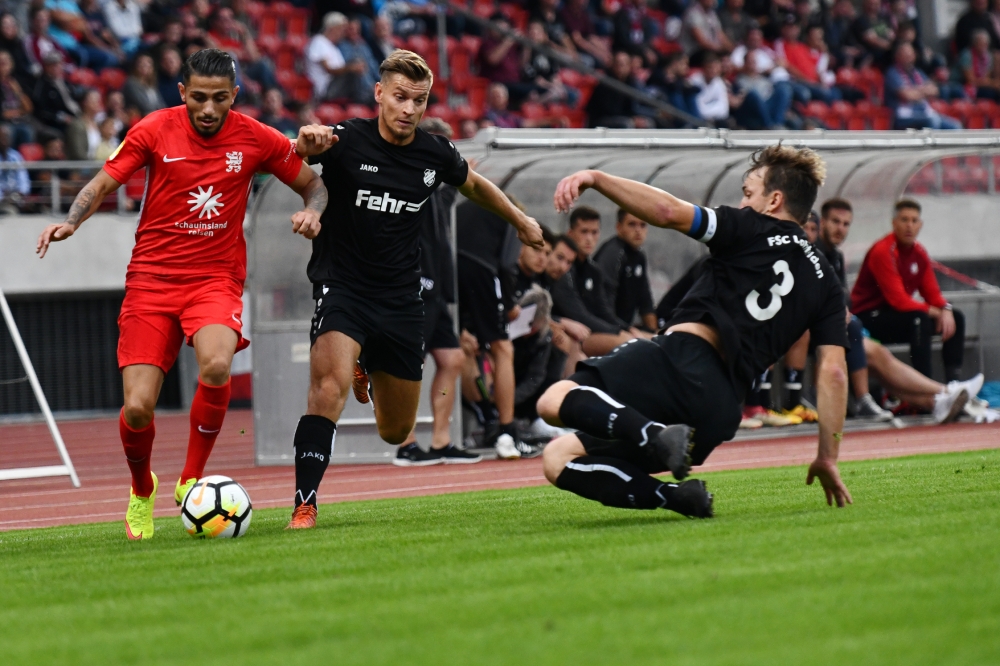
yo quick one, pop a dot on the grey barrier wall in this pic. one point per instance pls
(703, 166)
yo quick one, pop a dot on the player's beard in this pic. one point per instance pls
(194, 123)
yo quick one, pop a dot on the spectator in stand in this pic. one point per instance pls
(579, 23)
(306, 115)
(609, 107)
(670, 83)
(410, 17)
(541, 70)
(981, 67)
(83, 133)
(354, 48)
(907, 91)
(381, 39)
(109, 139)
(15, 105)
(14, 183)
(894, 268)
(41, 187)
(803, 13)
(716, 99)
(808, 63)
(141, 90)
(71, 31)
(839, 33)
(194, 31)
(735, 21)
(932, 64)
(241, 14)
(39, 44)
(184, 38)
(12, 42)
(124, 19)
(558, 36)
(200, 12)
(93, 14)
(331, 75)
(977, 17)
(627, 273)
(53, 100)
(703, 31)
(273, 114)
(497, 114)
(776, 96)
(500, 59)
(767, 62)
(234, 37)
(581, 294)
(169, 75)
(114, 107)
(873, 31)
(349, 8)
(634, 31)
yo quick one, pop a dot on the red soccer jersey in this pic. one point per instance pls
(891, 273)
(196, 190)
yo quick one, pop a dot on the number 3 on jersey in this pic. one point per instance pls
(777, 291)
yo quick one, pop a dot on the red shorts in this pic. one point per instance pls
(160, 313)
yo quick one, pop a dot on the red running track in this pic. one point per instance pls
(96, 452)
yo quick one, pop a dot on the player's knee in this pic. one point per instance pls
(394, 433)
(557, 453)
(835, 374)
(449, 360)
(325, 394)
(138, 412)
(551, 401)
(215, 371)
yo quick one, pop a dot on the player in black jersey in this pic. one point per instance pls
(365, 266)
(665, 404)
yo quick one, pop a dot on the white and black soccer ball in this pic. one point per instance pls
(216, 507)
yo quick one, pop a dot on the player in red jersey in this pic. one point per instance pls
(185, 280)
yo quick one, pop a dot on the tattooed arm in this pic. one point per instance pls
(87, 201)
(313, 192)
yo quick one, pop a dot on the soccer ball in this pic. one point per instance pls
(216, 506)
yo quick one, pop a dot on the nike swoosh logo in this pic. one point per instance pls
(236, 320)
(207, 432)
(173, 159)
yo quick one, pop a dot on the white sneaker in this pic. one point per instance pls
(950, 402)
(973, 386)
(542, 430)
(506, 449)
(868, 408)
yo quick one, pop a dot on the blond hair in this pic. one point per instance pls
(797, 172)
(407, 64)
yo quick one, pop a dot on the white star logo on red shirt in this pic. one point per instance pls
(206, 201)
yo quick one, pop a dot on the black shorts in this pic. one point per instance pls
(673, 378)
(390, 331)
(439, 327)
(480, 304)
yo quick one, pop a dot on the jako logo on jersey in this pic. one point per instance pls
(429, 176)
(385, 203)
(369, 167)
(208, 203)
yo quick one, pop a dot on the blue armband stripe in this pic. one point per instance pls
(696, 224)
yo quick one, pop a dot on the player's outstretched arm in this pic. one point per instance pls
(315, 139)
(651, 204)
(86, 202)
(310, 187)
(831, 402)
(483, 193)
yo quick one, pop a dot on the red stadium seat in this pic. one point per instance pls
(249, 110)
(882, 118)
(281, 9)
(331, 114)
(442, 111)
(31, 152)
(477, 94)
(471, 44)
(297, 42)
(269, 44)
(359, 111)
(420, 44)
(84, 77)
(286, 57)
(112, 78)
(297, 23)
(268, 25)
(533, 111)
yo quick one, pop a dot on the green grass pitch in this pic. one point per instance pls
(909, 575)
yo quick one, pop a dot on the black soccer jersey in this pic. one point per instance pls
(763, 287)
(378, 195)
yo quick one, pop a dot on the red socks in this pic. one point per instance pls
(208, 410)
(138, 445)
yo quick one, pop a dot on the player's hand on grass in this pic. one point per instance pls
(306, 222)
(829, 477)
(530, 234)
(570, 188)
(53, 234)
(315, 139)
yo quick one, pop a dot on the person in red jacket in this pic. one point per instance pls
(894, 269)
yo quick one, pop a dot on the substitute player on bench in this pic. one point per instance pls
(651, 406)
(185, 280)
(365, 266)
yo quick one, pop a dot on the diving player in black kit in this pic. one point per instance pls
(365, 266)
(665, 404)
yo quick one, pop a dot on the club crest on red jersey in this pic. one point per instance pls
(234, 162)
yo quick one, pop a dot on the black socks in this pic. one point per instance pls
(793, 385)
(760, 394)
(314, 438)
(615, 483)
(596, 413)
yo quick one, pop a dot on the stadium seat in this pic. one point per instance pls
(281, 9)
(112, 78)
(974, 176)
(882, 118)
(420, 44)
(471, 43)
(533, 111)
(84, 77)
(924, 181)
(31, 152)
(286, 57)
(297, 23)
(268, 25)
(484, 8)
(477, 94)
(359, 111)
(249, 110)
(331, 114)
(269, 44)
(297, 42)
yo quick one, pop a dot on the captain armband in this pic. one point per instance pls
(704, 224)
